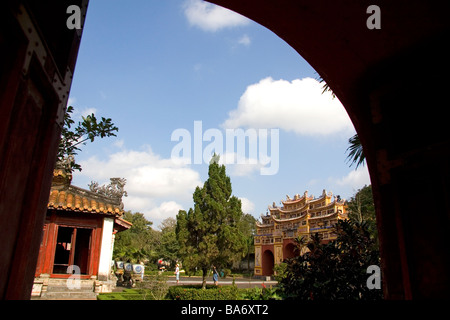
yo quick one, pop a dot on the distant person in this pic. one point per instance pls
(215, 276)
(143, 270)
(177, 273)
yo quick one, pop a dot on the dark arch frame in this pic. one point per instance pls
(380, 76)
(290, 250)
(392, 82)
(268, 262)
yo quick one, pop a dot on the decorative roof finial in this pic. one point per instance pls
(62, 174)
(114, 190)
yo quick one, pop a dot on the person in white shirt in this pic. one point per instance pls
(177, 272)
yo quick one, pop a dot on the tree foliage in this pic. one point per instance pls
(72, 137)
(361, 208)
(355, 152)
(335, 270)
(209, 234)
(137, 243)
(326, 87)
(168, 248)
(247, 227)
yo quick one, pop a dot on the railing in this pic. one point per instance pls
(319, 228)
(263, 240)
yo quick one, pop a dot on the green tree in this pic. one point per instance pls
(209, 233)
(361, 208)
(248, 229)
(168, 248)
(73, 137)
(137, 243)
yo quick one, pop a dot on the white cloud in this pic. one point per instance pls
(138, 204)
(167, 209)
(247, 205)
(77, 111)
(244, 170)
(80, 112)
(156, 187)
(71, 101)
(240, 165)
(210, 17)
(298, 106)
(87, 112)
(355, 179)
(245, 40)
(152, 182)
(345, 186)
(119, 143)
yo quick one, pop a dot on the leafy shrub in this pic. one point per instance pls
(108, 296)
(154, 287)
(263, 293)
(197, 293)
(225, 272)
(280, 270)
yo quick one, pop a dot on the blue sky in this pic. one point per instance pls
(158, 66)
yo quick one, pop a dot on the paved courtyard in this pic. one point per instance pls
(240, 282)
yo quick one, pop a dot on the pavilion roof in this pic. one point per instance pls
(64, 196)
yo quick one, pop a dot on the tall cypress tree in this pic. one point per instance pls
(209, 233)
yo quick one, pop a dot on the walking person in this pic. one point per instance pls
(215, 276)
(177, 273)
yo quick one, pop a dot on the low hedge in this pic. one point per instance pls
(126, 294)
(195, 292)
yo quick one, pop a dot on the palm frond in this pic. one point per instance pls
(355, 152)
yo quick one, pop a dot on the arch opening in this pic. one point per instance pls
(345, 54)
(268, 262)
(290, 251)
(383, 79)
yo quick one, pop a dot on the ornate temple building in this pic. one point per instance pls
(298, 217)
(78, 238)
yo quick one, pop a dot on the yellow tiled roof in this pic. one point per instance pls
(74, 200)
(64, 196)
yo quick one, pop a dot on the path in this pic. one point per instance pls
(240, 282)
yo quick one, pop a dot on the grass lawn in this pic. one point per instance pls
(193, 292)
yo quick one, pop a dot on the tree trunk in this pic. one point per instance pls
(205, 271)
